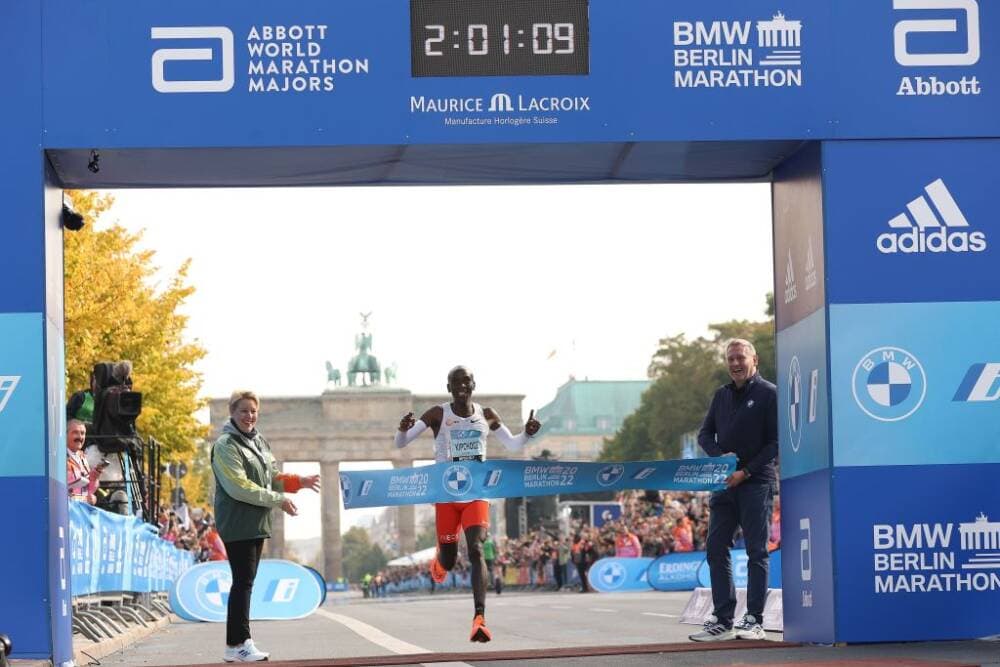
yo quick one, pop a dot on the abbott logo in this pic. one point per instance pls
(8, 383)
(928, 232)
(162, 56)
(968, 57)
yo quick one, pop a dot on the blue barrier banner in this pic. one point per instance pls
(282, 591)
(618, 575)
(472, 480)
(687, 571)
(915, 382)
(111, 552)
(676, 572)
(323, 586)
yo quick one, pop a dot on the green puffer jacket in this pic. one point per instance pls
(246, 487)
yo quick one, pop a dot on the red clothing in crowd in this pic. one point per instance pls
(627, 546)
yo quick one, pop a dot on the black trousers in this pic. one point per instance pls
(244, 556)
(747, 506)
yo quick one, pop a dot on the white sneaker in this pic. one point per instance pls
(245, 652)
(749, 627)
(713, 631)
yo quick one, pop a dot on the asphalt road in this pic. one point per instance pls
(348, 626)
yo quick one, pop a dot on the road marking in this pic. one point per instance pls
(559, 606)
(386, 641)
(653, 613)
(606, 611)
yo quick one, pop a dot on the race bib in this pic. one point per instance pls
(467, 444)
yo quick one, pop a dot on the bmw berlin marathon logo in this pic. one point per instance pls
(611, 575)
(608, 475)
(457, 480)
(889, 384)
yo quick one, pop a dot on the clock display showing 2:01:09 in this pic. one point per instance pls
(499, 38)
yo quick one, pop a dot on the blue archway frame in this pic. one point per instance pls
(876, 122)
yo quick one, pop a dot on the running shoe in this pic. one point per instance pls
(749, 627)
(479, 632)
(438, 573)
(713, 631)
(245, 652)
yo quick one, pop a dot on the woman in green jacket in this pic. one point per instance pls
(248, 485)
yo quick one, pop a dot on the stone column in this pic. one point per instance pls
(330, 511)
(406, 521)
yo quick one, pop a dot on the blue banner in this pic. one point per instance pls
(354, 73)
(803, 403)
(282, 591)
(925, 230)
(618, 575)
(676, 572)
(687, 571)
(22, 395)
(915, 382)
(473, 480)
(112, 552)
(915, 552)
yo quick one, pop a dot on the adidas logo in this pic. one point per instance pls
(791, 291)
(947, 233)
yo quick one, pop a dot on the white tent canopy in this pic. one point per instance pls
(416, 558)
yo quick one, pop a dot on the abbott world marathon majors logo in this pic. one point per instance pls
(937, 557)
(738, 54)
(501, 108)
(923, 229)
(889, 384)
(274, 59)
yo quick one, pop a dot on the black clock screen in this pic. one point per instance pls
(499, 37)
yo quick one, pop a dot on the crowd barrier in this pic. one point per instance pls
(117, 553)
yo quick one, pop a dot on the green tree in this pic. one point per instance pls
(115, 310)
(685, 374)
(360, 555)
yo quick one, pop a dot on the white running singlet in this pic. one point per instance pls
(461, 438)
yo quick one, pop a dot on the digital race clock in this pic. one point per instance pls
(499, 37)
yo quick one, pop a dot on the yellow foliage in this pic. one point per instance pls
(115, 311)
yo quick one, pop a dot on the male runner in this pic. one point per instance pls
(460, 434)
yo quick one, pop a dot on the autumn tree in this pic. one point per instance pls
(685, 374)
(116, 310)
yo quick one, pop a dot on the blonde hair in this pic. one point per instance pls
(733, 342)
(242, 395)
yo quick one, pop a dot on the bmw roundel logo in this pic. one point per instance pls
(345, 487)
(795, 403)
(457, 480)
(889, 384)
(612, 575)
(212, 588)
(608, 475)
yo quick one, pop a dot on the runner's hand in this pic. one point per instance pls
(407, 422)
(532, 425)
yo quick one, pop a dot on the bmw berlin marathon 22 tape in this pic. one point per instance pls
(474, 480)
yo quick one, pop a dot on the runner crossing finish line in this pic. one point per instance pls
(462, 480)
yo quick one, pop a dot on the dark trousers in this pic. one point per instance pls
(748, 506)
(244, 556)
